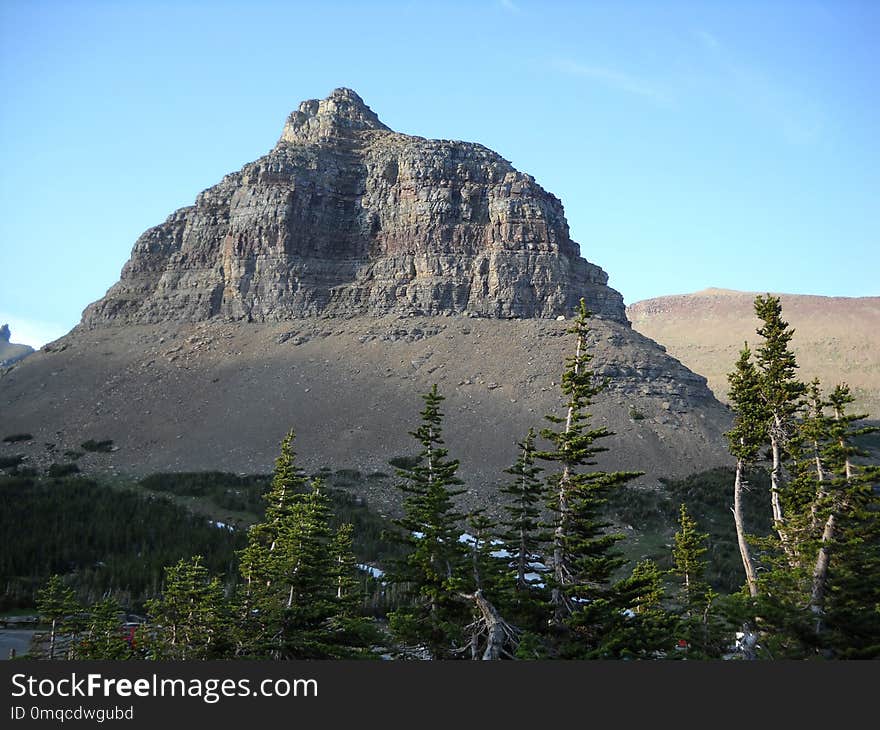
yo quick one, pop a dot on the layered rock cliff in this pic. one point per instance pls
(345, 216)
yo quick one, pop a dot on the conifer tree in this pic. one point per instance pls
(433, 571)
(780, 393)
(307, 578)
(102, 637)
(57, 604)
(583, 558)
(847, 554)
(745, 440)
(260, 607)
(491, 636)
(689, 547)
(289, 606)
(190, 619)
(353, 633)
(698, 626)
(635, 623)
(523, 535)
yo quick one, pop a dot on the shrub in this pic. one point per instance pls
(16, 437)
(56, 471)
(92, 445)
(8, 461)
(404, 462)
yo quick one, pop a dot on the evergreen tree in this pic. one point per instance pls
(433, 571)
(260, 607)
(354, 633)
(698, 625)
(845, 571)
(745, 440)
(57, 604)
(635, 623)
(780, 393)
(190, 620)
(523, 535)
(103, 637)
(307, 579)
(583, 558)
(491, 637)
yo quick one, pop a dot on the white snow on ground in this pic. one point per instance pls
(221, 525)
(375, 572)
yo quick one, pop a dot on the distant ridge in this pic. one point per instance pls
(837, 339)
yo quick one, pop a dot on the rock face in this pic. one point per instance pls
(344, 217)
(234, 322)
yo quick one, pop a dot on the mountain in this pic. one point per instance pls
(346, 217)
(836, 338)
(324, 287)
(9, 351)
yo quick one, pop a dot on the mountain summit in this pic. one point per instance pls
(345, 216)
(326, 285)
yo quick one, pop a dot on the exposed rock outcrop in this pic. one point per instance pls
(345, 216)
(323, 288)
(10, 352)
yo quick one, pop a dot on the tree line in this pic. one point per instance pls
(547, 579)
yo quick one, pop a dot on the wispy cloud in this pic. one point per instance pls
(708, 40)
(612, 78)
(510, 7)
(798, 119)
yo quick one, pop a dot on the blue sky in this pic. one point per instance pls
(693, 144)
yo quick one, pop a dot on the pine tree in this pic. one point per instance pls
(352, 632)
(780, 394)
(103, 637)
(190, 620)
(745, 440)
(635, 623)
(307, 581)
(844, 593)
(523, 536)
(491, 636)
(433, 571)
(260, 606)
(57, 604)
(698, 626)
(583, 558)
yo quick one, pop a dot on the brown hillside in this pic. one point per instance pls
(837, 339)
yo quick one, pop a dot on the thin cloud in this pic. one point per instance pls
(612, 78)
(510, 6)
(708, 40)
(797, 119)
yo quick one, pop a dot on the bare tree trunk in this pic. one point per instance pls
(52, 639)
(748, 565)
(823, 558)
(775, 480)
(559, 571)
(820, 571)
(499, 634)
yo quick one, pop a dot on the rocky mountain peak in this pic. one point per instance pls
(340, 114)
(346, 217)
